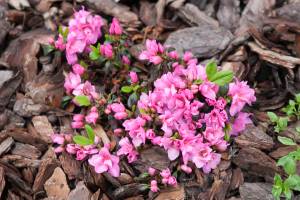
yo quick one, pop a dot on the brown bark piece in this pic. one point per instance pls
(2, 181)
(26, 150)
(256, 162)
(45, 171)
(254, 136)
(80, 192)
(56, 186)
(43, 127)
(6, 145)
(171, 194)
(70, 166)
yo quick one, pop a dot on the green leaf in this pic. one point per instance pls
(293, 182)
(282, 122)
(83, 64)
(223, 77)
(298, 129)
(298, 98)
(198, 82)
(277, 187)
(90, 132)
(94, 55)
(82, 100)
(288, 164)
(288, 193)
(81, 140)
(126, 89)
(211, 69)
(286, 140)
(135, 88)
(273, 117)
(132, 100)
(65, 101)
(47, 49)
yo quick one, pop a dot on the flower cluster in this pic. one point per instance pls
(193, 116)
(191, 112)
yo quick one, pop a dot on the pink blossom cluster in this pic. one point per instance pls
(193, 116)
(184, 113)
(84, 30)
(165, 177)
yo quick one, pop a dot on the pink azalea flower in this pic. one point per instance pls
(209, 89)
(59, 43)
(127, 149)
(77, 121)
(240, 123)
(153, 49)
(213, 135)
(186, 169)
(72, 81)
(202, 155)
(115, 27)
(84, 30)
(221, 145)
(72, 148)
(133, 77)
(136, 130)
(105, 162)
(153, 186)
(151, 171)
(106, 50)
(125, 60)
(118, 131)
(92, 117)
(78, 69)
(187, 56)
(165, 174)
(173, 55)
(58, 138)
(241, 94)
(221, 103)
(119, 110)
(81, 154)
(212, 163)
(216, 118)
(59, 149)
(172, 181)
(86, 89)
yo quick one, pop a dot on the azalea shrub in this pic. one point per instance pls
(191, 111)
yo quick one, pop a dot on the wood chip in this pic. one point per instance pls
(256, 191)
(2, 181)
(20, 161)
(26, 150)
(171, 194)
(273, 57)
(237, 179)
(43, 127)
(256, 162)
(56, 186)
(194, 16)
(45, 171)
(282, 151)
(70, 165)
(130, 190)
(117, 10)
(6, 145)
(21, 135)
(80, 192)
(254, 136)
(204, 42)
